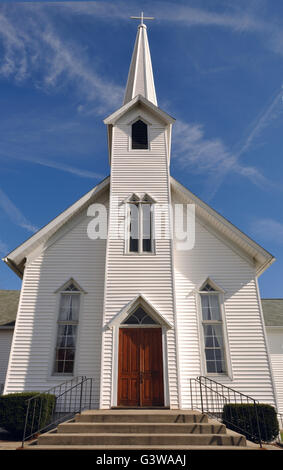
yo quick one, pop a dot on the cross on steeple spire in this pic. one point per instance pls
(142, 18)
(140, 78)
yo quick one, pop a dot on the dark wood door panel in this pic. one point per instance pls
(140, 374)
(129, 368)
(152, 367)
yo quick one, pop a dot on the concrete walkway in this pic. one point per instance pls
(6, 442)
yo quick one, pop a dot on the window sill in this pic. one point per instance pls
(138, 150)
(220, 375)
(136, 253)
(59, 376)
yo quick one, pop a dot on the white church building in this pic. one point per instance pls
(114, 290)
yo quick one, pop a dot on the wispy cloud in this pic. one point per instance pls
(14, 213)
(63, 167)
(211, 156)
(201, 155)
(267, 116)
(268, 229)
(36, 160)
(239, 17)
(34, 49)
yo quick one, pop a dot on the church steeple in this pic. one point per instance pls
(140, 78)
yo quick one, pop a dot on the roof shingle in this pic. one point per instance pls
(9, 300)
(272, 312)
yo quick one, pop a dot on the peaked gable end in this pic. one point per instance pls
(16, 258)
(262, 259)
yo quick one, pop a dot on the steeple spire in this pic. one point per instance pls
(140, 78)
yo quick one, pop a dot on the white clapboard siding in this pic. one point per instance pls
(275, 342)
(246, 341)
(6, 336)
(138, 171)
(71, 253)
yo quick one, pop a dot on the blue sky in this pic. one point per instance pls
(218, 67)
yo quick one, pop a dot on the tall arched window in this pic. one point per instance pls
(68, 320)
(141, 232)
(213, 334)
(139, 135)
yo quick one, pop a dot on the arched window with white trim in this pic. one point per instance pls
(67, 328)
(140, 237)
(212, 329)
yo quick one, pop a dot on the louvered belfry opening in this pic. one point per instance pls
(139, 135)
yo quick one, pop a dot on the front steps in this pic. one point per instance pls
(140, 429)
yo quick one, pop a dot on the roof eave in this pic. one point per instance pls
(14, 267)
(263, 267)
(113, 118)
(16, 258)
(262, 258)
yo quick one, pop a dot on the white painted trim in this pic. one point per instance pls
(166, 389)
(43, 234)
(71, 280)
(15, 333)
(114, 117)
(115, 362)
(143, 325)
(229, 373)
(266, 344)
(140, 251)
(264, 258)
(115, 365)
(57, 375)
(137, 151)
(136, 56)
(172, 261)
(101, 385)
(137, 118)
(213, 284)
(132, 305)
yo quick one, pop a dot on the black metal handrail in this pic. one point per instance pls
(69, 398)
(210, 396)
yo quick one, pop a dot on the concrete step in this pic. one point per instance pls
(141, 416)
(143, 428)
(140, 439)
(140, 447)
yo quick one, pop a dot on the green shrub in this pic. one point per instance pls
(242, 418)
(13, 408)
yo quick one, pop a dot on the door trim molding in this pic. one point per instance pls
(115, 363)
(131, 306)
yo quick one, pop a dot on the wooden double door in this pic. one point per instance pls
(140, 374)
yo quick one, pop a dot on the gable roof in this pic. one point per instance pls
(272, 312)
(139, 300)
(16, 258)
(113, 118)
(262, 258)
(9, 300)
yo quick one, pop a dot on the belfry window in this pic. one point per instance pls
(212, 324)
(139, 135)
(140, 226)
